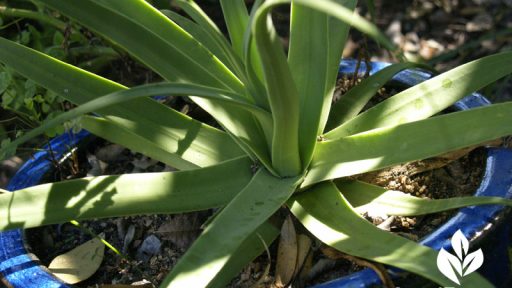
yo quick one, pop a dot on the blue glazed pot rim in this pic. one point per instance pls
(18, 267)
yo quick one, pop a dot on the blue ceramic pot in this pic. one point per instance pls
(20, 269)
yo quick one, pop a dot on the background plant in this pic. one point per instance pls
(26, 104)
(273, 149)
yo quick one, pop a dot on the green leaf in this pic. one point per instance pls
(347, 16)
(316, 45)
(326, 213)
(252, 62)
(151, 37)
(251, 248)
(236, 18)
(29, 14)
(58, 38)
(230, 55)
(364, 197)
(198, 15)
(24, 37)
(156, 148)
(199, 34)
(430, 97)
(129, 194)
(169, 50)
(5, 80)
(196, 144)
(7, 149)
(177, 89)
(384, 147)
(282, 93)
(263, 196)
(353, 102)
(371, 8)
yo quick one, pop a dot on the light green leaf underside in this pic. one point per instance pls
(430, 97)
(175, 89)
(282, 93)
(316, 45)
(240, 218)
(129, 194)
(151, 120)
(383, 147)
(364, 197)
(353, 102)
(320, 211)
(251, 248)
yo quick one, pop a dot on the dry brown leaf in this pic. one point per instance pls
(182, 230)
(303, 247)
(306, 268)
(286, 254)
(79, 263)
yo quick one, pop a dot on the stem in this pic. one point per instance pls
(14, 12)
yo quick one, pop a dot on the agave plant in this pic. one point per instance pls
(273, 150)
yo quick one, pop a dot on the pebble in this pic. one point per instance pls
(149, 247)
(480, 22)
(110, 153)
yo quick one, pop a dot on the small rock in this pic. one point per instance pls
(8, 168)
(143, 284)
(480, 22)
(143, 163)
(97, 166)
(394, 32)
(412, 42)
(150, 246)
(430, 48)
(110, 153)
